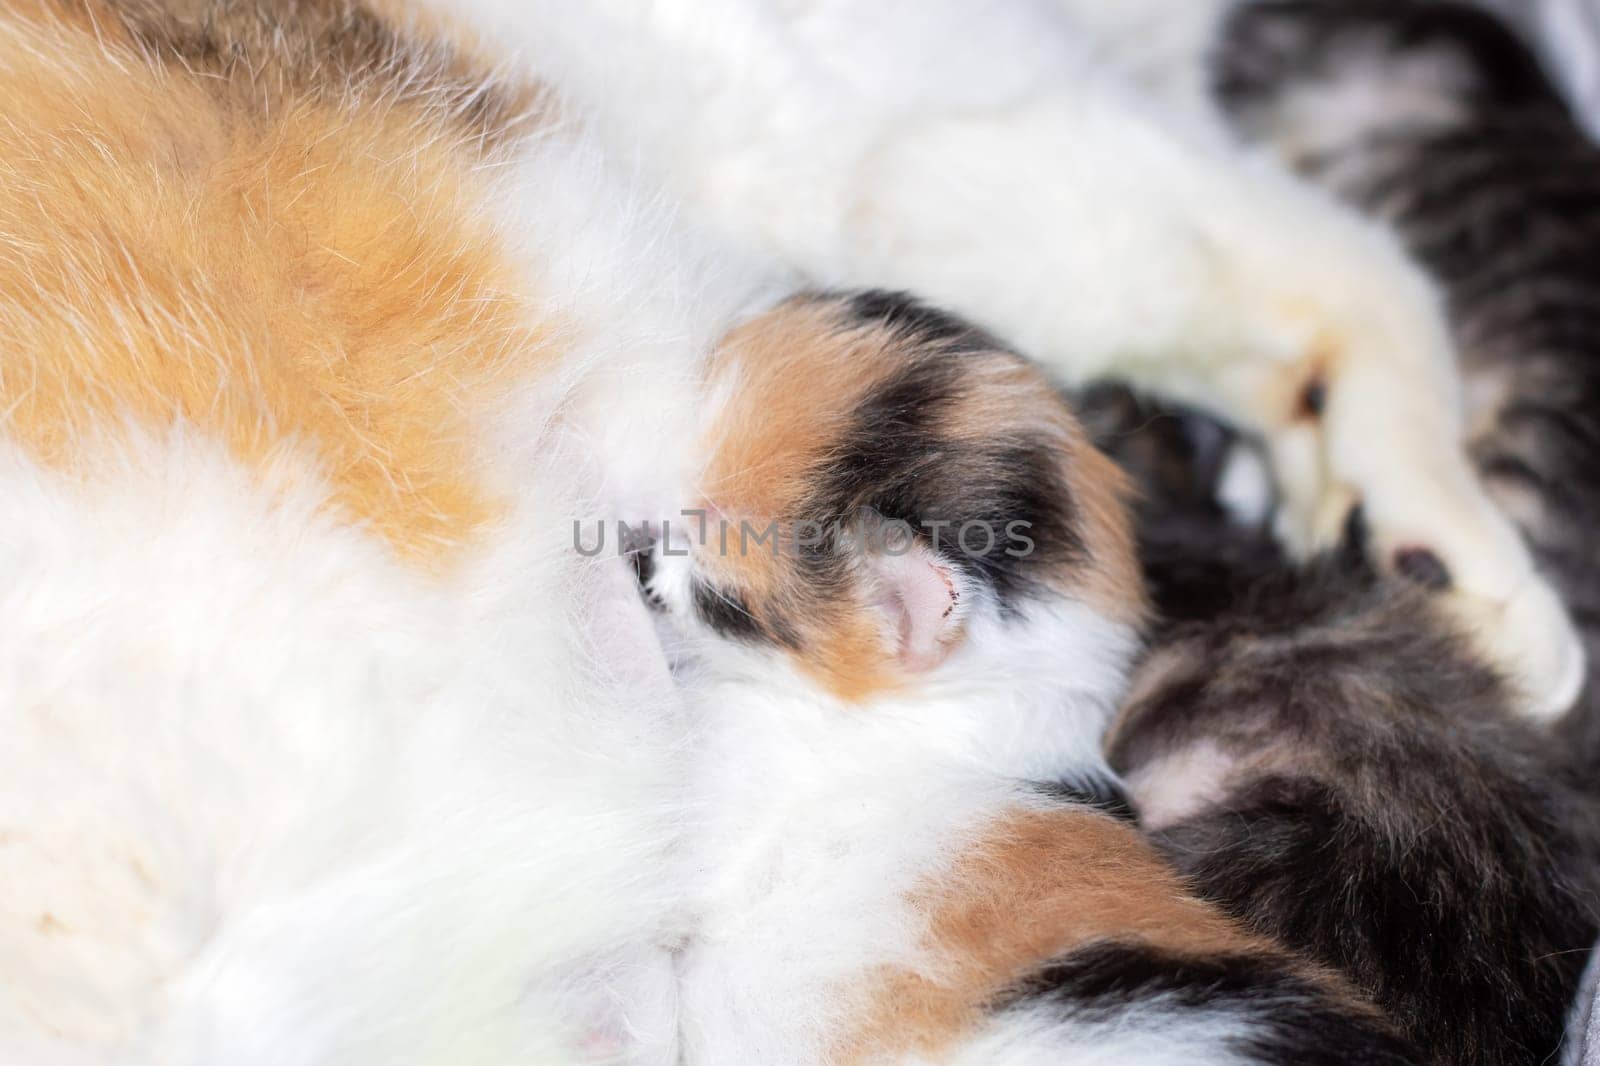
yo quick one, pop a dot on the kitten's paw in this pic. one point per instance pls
(1374, 426)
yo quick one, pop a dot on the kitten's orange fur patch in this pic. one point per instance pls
(1041, 883)
(282, 270)
(796, 378)
(1113, 583)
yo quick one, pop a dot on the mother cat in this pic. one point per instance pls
(323, 745)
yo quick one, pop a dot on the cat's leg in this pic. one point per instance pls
(1223, 284)
(1003, 168)
(1105, 243)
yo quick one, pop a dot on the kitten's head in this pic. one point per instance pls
(888, 496)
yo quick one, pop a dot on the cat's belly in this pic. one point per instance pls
(269, 792)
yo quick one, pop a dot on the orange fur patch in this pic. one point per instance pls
(795, 379)
(1113, 583)
(1042, 883)
(283, 269)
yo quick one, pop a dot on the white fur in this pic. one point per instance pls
(1009, 161)
(1177, 786)
(1567, 33)
(1152, 1035)
(820, 818)
(268, 797)
(1244, 487)
(262, 788)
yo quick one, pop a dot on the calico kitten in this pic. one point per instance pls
(1316, 749)
(911, 844)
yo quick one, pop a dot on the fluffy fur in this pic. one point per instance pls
(327, 744)
(306, 689)
(1436, 119)
(900, 862)
(1319, 753)
(915, 146)
(1316, 748)
(1325, 760)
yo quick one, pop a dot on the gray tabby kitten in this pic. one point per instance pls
(1436, 118)
(1316, 748)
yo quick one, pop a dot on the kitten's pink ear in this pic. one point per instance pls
(924, 601)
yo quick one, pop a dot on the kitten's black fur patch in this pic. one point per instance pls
(1292, 1020)
(1099, 791)
(1196, 560)
(904, 460)
(922, 323)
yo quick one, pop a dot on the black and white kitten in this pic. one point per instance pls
(1315, 748)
